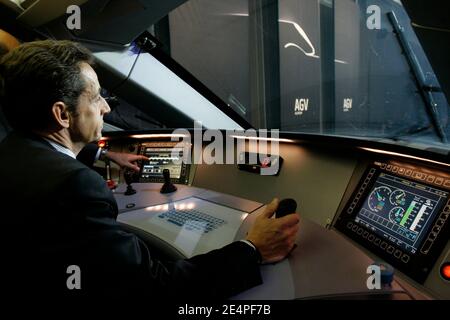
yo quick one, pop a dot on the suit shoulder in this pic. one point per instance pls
(84, 179)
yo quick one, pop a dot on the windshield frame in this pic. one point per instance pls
(158, 53)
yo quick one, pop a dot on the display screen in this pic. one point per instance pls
(401, 211)
(162, 158)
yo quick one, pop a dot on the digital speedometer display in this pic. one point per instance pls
(401, 210)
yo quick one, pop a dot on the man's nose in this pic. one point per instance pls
(106, 108)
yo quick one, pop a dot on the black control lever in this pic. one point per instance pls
(168, 186)
(286, 206)
(129, 177)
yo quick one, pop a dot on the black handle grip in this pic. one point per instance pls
(286, 206)
(166, 175)
(129, 176)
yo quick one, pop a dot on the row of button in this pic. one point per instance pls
(436, 180)
(361, 191)
(398, 254)
(436, 229)
(159, 145)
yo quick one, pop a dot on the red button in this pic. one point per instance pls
(101, 143)
(445, 271)
(111, 184)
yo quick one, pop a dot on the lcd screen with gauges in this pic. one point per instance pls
(403, 219)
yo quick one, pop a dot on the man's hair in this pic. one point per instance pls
(38, 74)
(3, 50)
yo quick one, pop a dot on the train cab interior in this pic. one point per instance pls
(341, 105)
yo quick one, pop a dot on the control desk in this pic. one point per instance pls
(193, 221)
(380, 209)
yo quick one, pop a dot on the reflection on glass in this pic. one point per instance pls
(357, 79)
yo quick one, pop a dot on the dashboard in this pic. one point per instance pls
(400, 212)
(358, 207)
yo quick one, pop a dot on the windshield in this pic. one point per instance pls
(344, 67)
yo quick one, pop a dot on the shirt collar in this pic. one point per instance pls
(60, 148)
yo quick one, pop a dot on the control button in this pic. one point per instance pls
(390, 249)
(419, 175)
(365, 234)
(397, 254)
(426, 246)
(383, 165)
(408, 172)
(101, 143)
(447, 183)
(395, 169)
(377, 242)
(401, 170)
(436, 229)
(349, 225)
(383, 245)
(445, 271)
(111, 184)
(389, 167)
(439, 181)
(386, 273)
(349, 210)
(371, 238)
(405, 258)
(430, 179)
(432, 236)
(444, 216)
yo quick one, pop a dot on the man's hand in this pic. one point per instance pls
(274, 238)
(125, 159)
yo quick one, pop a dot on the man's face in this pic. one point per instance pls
(86, 126)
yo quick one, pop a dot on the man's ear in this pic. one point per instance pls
(61, 114)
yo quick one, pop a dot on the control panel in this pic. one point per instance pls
(164, 155)
(401, 213)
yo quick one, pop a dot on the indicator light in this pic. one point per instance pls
(445, 271)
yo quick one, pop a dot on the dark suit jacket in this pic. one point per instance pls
(87, 154)
(57, 212)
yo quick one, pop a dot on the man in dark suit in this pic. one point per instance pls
(58, 213)
(91, 152)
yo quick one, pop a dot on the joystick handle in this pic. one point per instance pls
(286, 206)
(168, 186)
(129, 178)
(166, 175)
